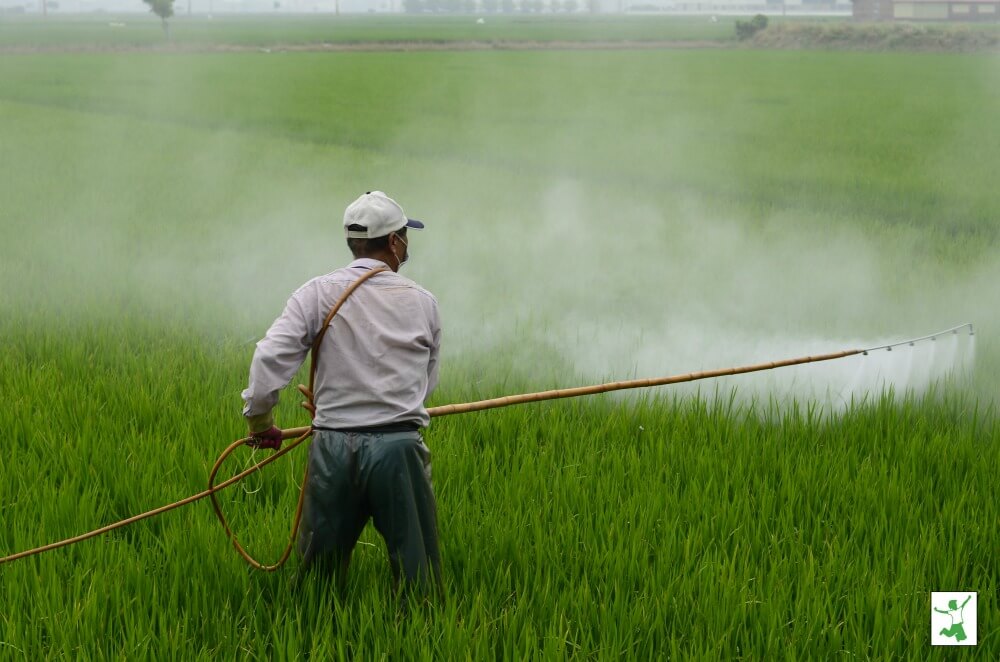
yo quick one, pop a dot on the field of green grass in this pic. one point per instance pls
(156, 209)
(142, 30)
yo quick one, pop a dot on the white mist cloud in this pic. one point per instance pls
(619, 289)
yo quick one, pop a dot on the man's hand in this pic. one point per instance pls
(270, 438)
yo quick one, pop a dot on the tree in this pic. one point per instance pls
(747, 29)
(164, 9)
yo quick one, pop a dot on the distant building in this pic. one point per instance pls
(927, 10)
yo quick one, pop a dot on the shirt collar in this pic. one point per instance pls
(367, 263)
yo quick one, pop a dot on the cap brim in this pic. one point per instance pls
(414, 223)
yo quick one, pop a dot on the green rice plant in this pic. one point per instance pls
(158, 209)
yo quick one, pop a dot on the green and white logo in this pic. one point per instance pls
(953, 618)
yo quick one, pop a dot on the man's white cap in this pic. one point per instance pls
(378, 214)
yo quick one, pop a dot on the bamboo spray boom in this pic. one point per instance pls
(301, 434)
(555, 394)
(540, 396)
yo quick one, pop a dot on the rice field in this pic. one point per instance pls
(591, 216)
(131, 29)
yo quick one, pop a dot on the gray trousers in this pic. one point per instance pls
(383, 476)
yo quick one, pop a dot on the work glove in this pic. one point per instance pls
(270, 438)
(263, 433)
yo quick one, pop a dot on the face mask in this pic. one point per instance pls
(406, 254)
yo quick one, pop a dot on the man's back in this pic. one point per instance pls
(378, 360)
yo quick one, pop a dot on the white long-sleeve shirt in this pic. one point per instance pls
(378, 362)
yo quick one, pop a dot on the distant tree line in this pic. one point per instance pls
(493, 6)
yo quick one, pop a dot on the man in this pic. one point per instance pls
(378, 363)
